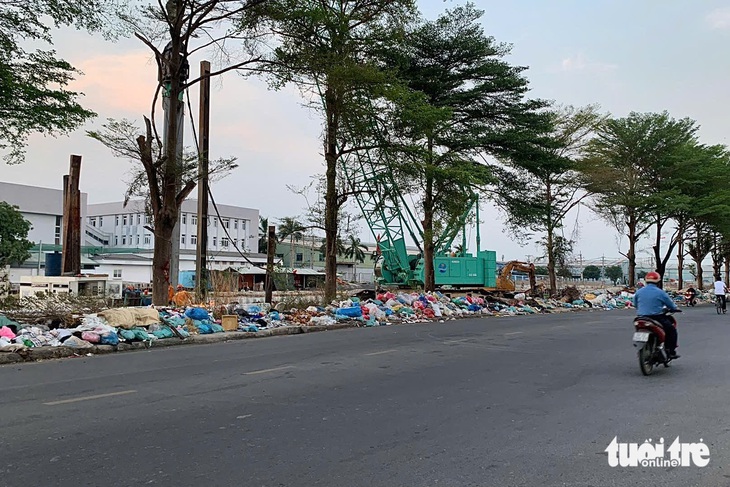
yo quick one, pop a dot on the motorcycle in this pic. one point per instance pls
(649, 339)
(690, 299)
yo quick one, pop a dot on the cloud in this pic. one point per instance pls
(580, 62)
(719, 18)
(116, 83)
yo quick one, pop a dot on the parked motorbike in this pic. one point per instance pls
(690, 299)
(649, 339)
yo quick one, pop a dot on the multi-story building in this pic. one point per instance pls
(119, 226)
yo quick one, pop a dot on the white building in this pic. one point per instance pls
(114, 225)
(42, 207)
(117, 240)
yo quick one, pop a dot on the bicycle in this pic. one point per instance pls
(718, 305)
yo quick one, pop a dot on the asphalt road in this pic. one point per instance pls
(522, 401)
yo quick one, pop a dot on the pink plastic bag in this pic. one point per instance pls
(7, 332)
(90, 337)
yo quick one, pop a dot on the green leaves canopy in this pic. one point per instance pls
(33, 93)
(13, 232)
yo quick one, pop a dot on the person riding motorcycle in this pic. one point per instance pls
(650, 302)
(690, 294)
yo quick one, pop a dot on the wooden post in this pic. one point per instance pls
(71, 259)
(271, 250)
(201, 251)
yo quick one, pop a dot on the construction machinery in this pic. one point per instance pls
(505, 281)
(390, 220)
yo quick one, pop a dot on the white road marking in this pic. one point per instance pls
(89, 398)
(448, 342)
(514, 333)
(244, 416)
(268, 370)
(380, 353)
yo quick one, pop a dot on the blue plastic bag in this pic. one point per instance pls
(110, 339)
(216, 328)
(253, 310)
(352, 312)
(199, 314)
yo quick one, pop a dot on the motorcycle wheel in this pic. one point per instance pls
(646, 357)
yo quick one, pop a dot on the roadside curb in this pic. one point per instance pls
(50, 353)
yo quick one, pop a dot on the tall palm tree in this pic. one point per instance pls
(292, 229)
(263, 234)
(355, 250)
(340, 246)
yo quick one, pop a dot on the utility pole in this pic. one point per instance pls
(271, 249)
(201, 252)
(71, 259)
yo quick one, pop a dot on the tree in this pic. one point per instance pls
(14, 245)
(627, 166)
(591, 272)
(184, 27)
(328, 49)
(263, 235)
(538, 192)
(642, 275)
(541, 271)
(614, 272)
(466, 103)
(292, 229)
(355, 250)
(33, 84)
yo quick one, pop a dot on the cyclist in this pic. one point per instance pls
(720, 291)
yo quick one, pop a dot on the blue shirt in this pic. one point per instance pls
(650, 300)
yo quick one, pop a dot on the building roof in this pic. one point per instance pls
(34, 199)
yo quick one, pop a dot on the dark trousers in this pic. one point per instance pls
(722, 300)
(667, 322)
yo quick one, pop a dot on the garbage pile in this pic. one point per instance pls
(149, 324)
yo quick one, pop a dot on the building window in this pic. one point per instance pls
(117, 273)
(101, 221)
(224, 242)
(300, 257)
(215, 222)
(146, 239)
(92, 221)
(139, 218)
(116, 240)
(235, 224)
(146, 219)
(182, 239)
(234, 242)
(124, 220)
(57, 230)
(214, 241)
(194, 219)
(194, 239)
(227, 223)
(137, 239)
(321, 256)
(116, 220)
(243, 225)
(124, 240)
(185, 218)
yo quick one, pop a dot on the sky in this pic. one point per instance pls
(625, 55)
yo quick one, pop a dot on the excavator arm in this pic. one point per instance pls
(504, 279)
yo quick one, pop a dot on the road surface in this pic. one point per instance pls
(520, 401)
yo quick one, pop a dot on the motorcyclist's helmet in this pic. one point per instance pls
(653, 277)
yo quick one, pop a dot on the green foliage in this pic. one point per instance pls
(263, 235)
(355, 249)
(631, 166)
(459, 102)
(614, 272)
(641, 274)
(14, 229)
(591, 272)
(541, 271)
(33, 84)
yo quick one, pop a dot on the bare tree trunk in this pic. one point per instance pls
(429, 275)
(631, 254)
(680, 256)
(330, 200)
(551, 262)
(164, 226)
